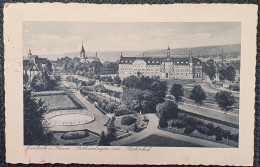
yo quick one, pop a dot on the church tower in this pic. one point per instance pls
(190, 63)
(82, 54)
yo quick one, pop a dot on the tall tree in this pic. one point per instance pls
(167, 110)
(198, 94)
(230, 73)
(177, 92)
(34, 131)
(225, 100)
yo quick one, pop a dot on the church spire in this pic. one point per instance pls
(190, 57)
(168, 52)
(121, 55)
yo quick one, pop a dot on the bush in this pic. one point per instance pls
(110, 137)
(127, 120)
(74, 135)
(202, 129)
(218, 136)
(226, 134)
(189, 129)
(180, 124)
(162, 123)
(211, 128)
(234, 137)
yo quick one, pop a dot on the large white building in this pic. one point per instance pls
(167, 67)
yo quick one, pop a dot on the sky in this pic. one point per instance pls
(46, 38)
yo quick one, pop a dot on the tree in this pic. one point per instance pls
(34, 131)
(222, 74)
(225, 100)
(117, 80)
(177, 92)
(210, 71)
(198, 94)
(103, 140)
(167, 110)
(230, 73)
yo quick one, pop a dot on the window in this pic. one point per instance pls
(148, 61)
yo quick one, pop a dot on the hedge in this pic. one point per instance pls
(128, 120)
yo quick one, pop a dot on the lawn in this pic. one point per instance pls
(55, 102)
(188, 86)
(159, 141)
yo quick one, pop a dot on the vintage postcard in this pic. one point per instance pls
(130, 84)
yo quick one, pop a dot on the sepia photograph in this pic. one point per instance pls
(159, 84)
(130, 84)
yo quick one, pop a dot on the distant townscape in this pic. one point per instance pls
(171, 100)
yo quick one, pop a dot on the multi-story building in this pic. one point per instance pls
(167, 67)
(33, 65)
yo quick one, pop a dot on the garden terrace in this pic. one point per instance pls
(203, 129)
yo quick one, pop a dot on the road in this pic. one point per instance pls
(152, 129)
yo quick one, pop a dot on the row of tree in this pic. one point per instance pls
(224, 99)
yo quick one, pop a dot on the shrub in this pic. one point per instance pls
(202, 129)
(234, 137)
(136, 129)
(189, 129)
(226, 134)
(180, 124)
(191, 121)
(127, 120)
(211, 128)
(173, 123)
(110, 137)
(162, 123)
(74, 135)
(219, 130)
(218, 136)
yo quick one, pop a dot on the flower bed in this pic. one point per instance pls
(74, 135)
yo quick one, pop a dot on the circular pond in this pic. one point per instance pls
(71, 119)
